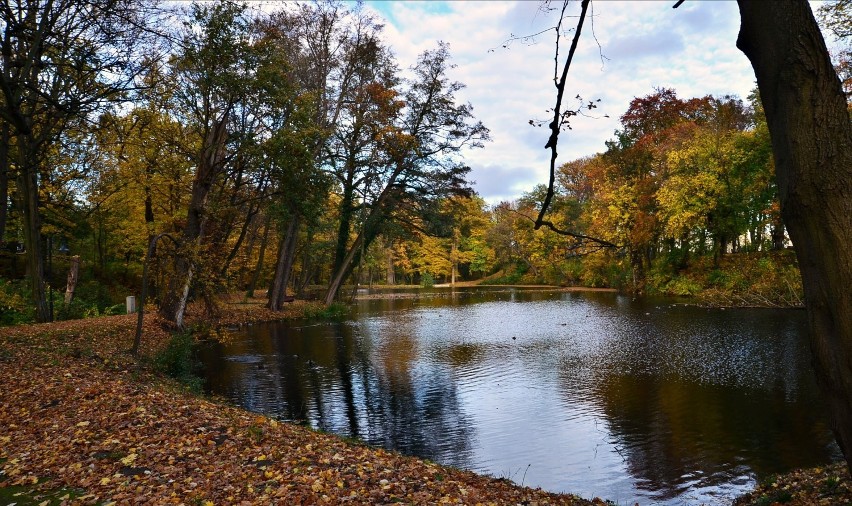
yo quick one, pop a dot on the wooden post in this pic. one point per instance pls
(73, 271)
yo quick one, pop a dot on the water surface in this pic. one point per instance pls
(592, 393)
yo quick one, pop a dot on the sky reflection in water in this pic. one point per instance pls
(590, 393)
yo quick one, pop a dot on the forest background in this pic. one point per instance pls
(224, 149)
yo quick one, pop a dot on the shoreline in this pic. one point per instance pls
(88, 424)
(87, 421)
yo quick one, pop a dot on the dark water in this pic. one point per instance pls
(591, 393)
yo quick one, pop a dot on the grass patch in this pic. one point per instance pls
(334, 311)
(30, 496)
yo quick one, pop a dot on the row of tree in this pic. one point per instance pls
(208, 136)
(243, 150)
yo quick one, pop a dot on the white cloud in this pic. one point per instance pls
(649, 44)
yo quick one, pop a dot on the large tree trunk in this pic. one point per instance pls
(4, 177)
(28, 191)
(812, 145)
(211, 163)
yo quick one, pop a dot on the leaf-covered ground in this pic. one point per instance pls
(82, 422)
(821, 486)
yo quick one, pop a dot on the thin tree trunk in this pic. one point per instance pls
(343, 229)
(239, 242)
(260, 257)
(811, 135)
(344, 271)
(389, 266)
(278, 291)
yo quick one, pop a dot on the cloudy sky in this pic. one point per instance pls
(627, 50)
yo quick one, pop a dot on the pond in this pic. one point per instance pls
(593, 393)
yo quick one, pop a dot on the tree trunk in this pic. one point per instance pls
(4, 178)
(252, 212)
(211, 163)
(345, 270)
(454, 256)
(261, 254)
(345, 225)
(73, 271)
(28, 190)
(777, 234)
(812, 146)
(390, 271)
(638, 270)
(278, 291)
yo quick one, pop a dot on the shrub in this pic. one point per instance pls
(333, 311)
(427, 280)
(15, 307)
(179, 360)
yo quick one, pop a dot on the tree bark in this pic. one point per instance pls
(812, 145)
(345, 225)
(73, 271)
(777, 235)
(278, 291)
(4, 178)
(28, 189)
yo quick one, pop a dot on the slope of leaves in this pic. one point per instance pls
(78, 413)
(826, 486)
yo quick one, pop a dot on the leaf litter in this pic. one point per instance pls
(79, 413)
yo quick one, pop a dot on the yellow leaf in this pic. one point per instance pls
(129, 459)
(104, 481)
(83, 424)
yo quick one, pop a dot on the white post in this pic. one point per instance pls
(130, 302)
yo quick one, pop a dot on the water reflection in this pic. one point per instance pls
(591, 393)
(326, 376)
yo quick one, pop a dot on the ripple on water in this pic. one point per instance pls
(595, 394)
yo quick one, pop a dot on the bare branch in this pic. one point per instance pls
(556, 124)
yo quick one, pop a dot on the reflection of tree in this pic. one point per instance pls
(669, 429)
(331, 377)
(674, 418)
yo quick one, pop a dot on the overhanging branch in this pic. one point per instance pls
(556, 124)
